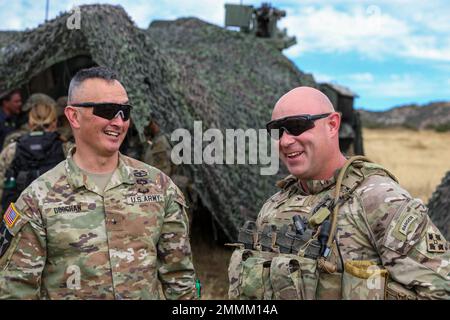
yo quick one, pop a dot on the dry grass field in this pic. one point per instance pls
(419, 159)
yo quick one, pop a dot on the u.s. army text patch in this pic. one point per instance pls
(141, 198)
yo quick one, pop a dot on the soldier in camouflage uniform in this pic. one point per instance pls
(99, 225)
(337, 229)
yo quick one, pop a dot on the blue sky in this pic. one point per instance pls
(390, 52)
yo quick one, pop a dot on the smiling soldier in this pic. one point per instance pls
(78, 232)
(339, 228)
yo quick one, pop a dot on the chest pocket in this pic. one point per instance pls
(136, 216)
(73, 228)
(285, 210)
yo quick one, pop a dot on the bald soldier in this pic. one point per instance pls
(338, 228)
(99, 225)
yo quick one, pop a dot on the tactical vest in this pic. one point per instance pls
(36, 153)
(298, 256)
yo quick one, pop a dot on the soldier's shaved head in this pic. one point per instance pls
(313, 154)
(302, 100)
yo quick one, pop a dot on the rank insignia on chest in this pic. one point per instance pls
(436, 243)
(11, 216)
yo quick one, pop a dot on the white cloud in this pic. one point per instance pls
(376, 31)
(326, 29)
(365, 77)
(322, 77)
(405, 85)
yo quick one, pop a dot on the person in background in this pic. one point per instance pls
(33, 153)
(10, 110)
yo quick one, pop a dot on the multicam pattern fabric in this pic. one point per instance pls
(73, 243)
(380, 227)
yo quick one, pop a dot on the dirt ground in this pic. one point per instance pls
(419, 159)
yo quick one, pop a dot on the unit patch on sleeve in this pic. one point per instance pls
(435, 243)
(406, 224)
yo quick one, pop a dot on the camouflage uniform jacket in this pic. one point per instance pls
(158, 154)
(69, 240)
(380, 223)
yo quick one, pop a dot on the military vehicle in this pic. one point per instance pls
(350, 132)
(260, 22)
(183, 71)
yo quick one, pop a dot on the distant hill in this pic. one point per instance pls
(435, 115)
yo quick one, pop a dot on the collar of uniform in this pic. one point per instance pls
(77, 179)
(314, 186)
(317, 186)
(123, 174)
(286, 182)
(351, 179)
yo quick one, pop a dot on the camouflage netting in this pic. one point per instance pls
(233, 80)
(182, 70)
(439, 206)
(7, 37)
(110, 38)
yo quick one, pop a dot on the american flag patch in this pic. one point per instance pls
(11, 215)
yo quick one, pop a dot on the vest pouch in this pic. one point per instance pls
(293, 277)
(310, 277)
(396, 291)
(363, 280)
(249, 275)
(330, 286)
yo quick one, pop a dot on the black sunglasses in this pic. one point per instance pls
(294, 125)
(107, 110)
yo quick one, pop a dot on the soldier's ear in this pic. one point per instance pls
(334, 122)
(73, 115)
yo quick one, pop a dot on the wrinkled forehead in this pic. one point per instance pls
(302, 101)
(99, 90)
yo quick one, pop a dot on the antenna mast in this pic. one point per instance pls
(46, 10)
